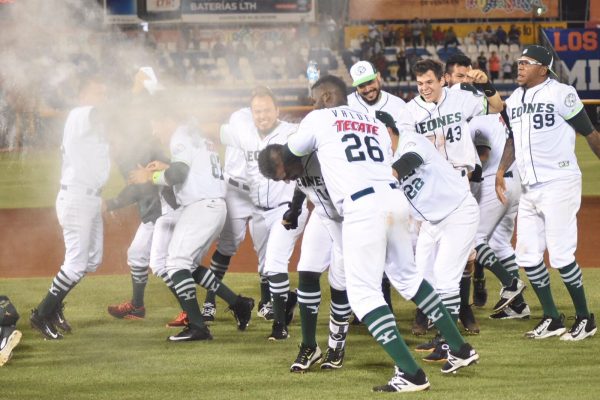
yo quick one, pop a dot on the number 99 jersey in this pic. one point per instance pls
(544, 141)
(434, 189)
(354, 150)
(205, 178)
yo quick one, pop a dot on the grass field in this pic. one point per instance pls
(31, 178)
(115, 359)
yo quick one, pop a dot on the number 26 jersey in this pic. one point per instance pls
(354, 150)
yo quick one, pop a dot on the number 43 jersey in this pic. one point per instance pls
(434, 189)
(544, 141)
(354, 150)
(205, 179)
(445, 123)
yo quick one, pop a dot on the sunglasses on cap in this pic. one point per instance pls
(526, 61)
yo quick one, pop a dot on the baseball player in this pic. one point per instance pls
(370, 98)
(129, 151)
(85, 170)
(355, 152)
(321, 249)
(251, 130)
(195, 174)
(442, 115)
(544, 115)
(9, 335)
(496, 229)
(239, 213)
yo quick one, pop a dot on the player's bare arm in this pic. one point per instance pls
(481, 82)
(157, 166)
(508, 157)
(593, 140)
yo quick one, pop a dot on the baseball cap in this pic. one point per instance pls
(361, 72)
(539, 54)
(481, 140)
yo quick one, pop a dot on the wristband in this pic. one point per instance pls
(158, 178)
(487, 88)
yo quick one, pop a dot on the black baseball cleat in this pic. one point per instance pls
(307, 356)
(278, 332)
(242, 311)
(334, 359)
(583, 327)
(420, 325)
(191, 333)
(9, 339)
(44, 325)
(402, 382)
(467, 318)
(464, 357)
(439, 354)
(59, 320)
(290, 307)
(508, 294)
(431, 345)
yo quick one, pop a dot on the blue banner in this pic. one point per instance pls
(579, 49)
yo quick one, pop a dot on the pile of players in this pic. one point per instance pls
(423, 192)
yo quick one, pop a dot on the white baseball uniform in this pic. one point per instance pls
(85, 170)
(322, 240)
(237, 198)
(496, 229)
(449, 213)
(201, 196)
(445, 124)
(354, 150)
(272, 242)
(387, 102)
(550, 176)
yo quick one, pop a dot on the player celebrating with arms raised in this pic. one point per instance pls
(544, 115)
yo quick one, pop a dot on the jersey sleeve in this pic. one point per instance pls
(181, 148)
(304, 141)
(474, 103)
(569, 103)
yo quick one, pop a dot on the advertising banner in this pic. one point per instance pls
(362, 10)
(219, 11)
(578, 49)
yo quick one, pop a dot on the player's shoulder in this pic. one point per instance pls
(393, 100)
(241, 116)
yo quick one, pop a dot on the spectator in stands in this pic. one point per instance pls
(450, 38)
(388, 35)
(482, 62)
(408, 35)
(218, 50)
(381, 65)
(507, 67)
(428, 33)
(479, 36)
(400, 36)
(494, 65)
(490, 36)
(401, 59)
(438, 36)
(374, 33)
(501, 35)
(417, 31)
(365, 48)
(514, 35)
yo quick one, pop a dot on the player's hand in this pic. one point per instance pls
(477, 76)
(501, 187)
(290, 219)
(157, 166)
(140, 175)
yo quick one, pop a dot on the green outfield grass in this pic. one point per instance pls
(112, 359)
(31, 178)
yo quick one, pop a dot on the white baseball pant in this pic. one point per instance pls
(163, 231)
(239, 212)
(138, 253)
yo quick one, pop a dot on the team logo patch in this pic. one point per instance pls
(361, 70)
(570, 100)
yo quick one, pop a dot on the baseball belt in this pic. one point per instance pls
(369, 190)
(77, 189)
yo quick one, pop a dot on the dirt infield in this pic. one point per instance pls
(33, 245)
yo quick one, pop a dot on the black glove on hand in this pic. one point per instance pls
(290, 218)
